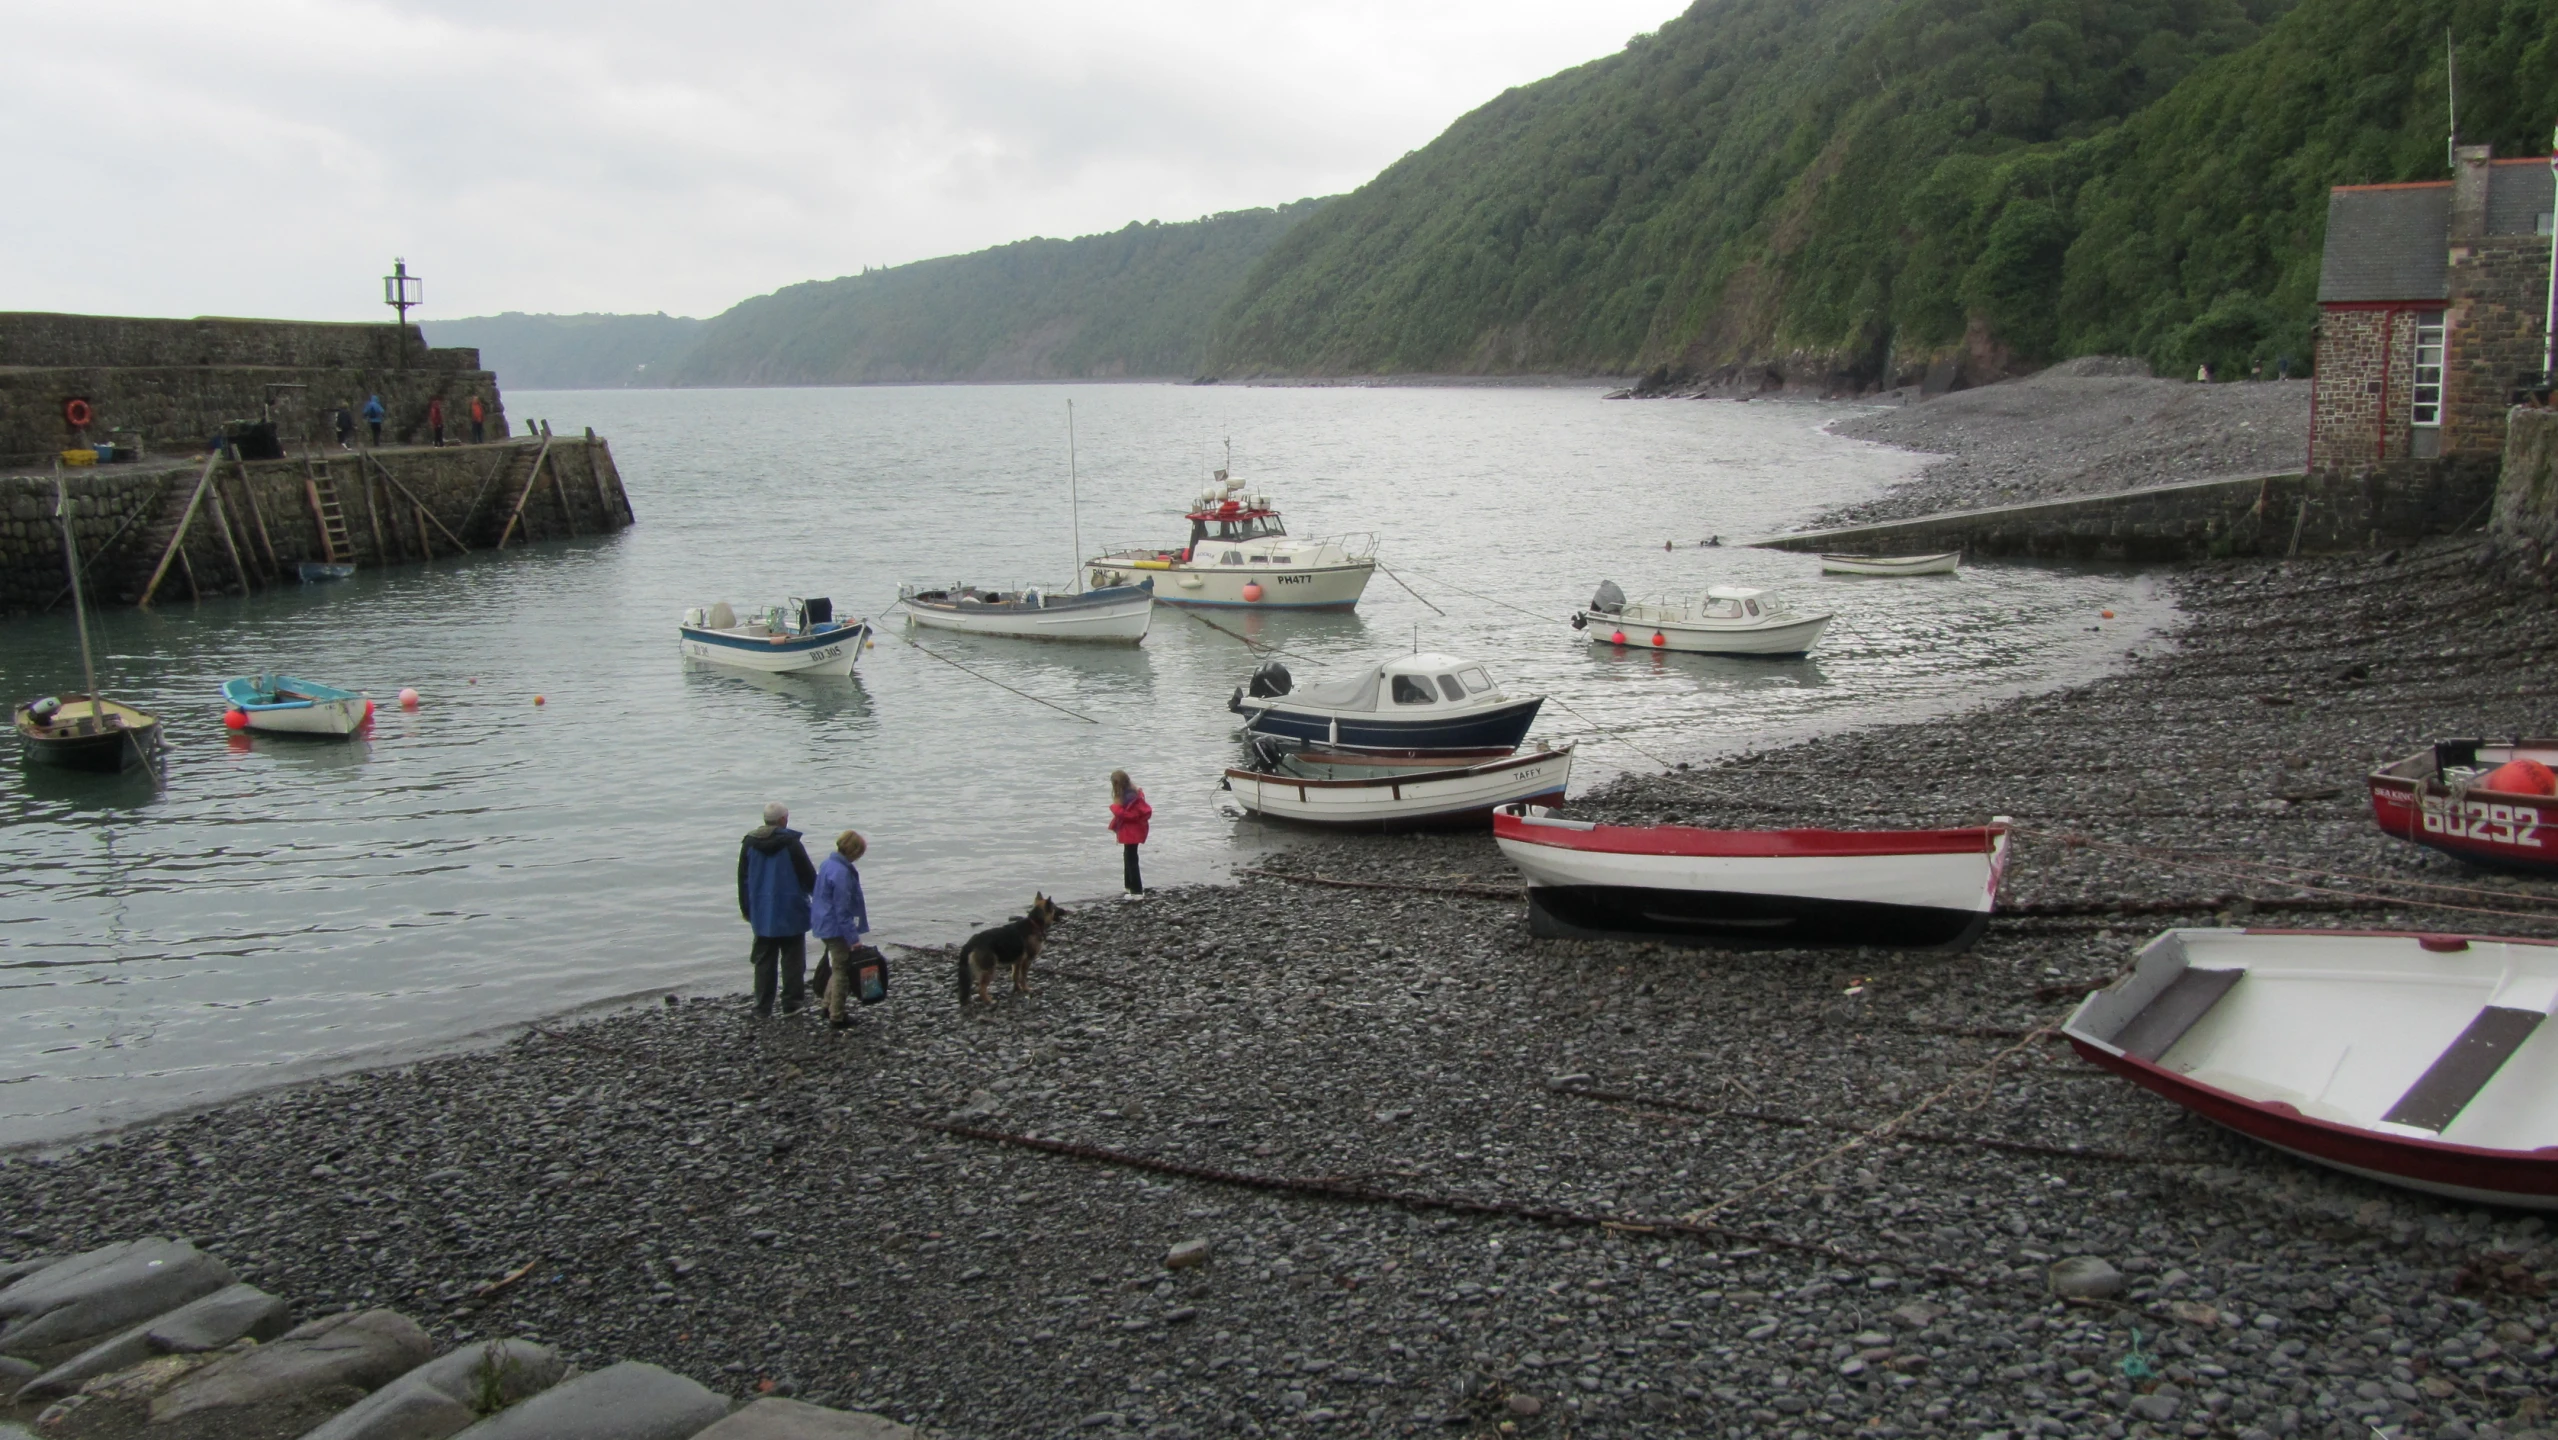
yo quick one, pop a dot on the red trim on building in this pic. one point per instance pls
(2384, 304)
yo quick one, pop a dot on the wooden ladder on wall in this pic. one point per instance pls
(323, 494)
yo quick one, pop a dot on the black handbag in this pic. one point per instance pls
(870, 974)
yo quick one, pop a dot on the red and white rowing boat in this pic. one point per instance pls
(2419, 1060)
(1909, 889)
(2441, 797)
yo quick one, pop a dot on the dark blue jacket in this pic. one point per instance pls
(773, 881)
(837, 912)
(373, 408)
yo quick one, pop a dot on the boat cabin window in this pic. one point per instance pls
(1234, 557)
(1449, 687)
(1413, 690)
(1751, 605)
(1476, 682)
(1722, 609)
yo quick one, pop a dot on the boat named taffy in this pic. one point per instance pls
(2487, 802)
(1240, 555)
(2420, 1060)
(1907, 889)
(1118, 615)
(800, 638)
(282, 705)
(1725, 620)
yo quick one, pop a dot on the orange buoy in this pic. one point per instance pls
(408, 698)
(1658, 639)
(2521, 777)
(235, 719)
(541, 700)
(1617, 639)
(2104, 614)
(1252, 590)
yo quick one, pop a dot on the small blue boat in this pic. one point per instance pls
(282, 705)
(1424, 704)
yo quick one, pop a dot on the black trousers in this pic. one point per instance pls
(1128, 867)
(788, 955)
(377, 432)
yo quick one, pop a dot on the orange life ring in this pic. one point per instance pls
(78, 412)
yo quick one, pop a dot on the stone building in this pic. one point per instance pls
(2433, 310)
(170, 384)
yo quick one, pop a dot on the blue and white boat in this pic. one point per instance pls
(1425, 704)
(282, 705)
(802, 637)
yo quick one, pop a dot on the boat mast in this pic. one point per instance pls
(79, 602)
(1074, 499)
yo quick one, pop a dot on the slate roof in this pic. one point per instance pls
(2518, 193)
(2387, 242)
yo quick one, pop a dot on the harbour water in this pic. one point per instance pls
(277, 908)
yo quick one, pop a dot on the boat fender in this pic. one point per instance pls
(1617, 638)
(1658, 639)
(1580, 621)
(1252, 590)
(235, 719)
(2521, 777)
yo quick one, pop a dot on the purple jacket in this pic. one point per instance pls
(835, 909)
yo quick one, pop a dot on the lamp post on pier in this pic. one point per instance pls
(400, 290)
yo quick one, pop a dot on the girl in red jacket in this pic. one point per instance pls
(1129, 813)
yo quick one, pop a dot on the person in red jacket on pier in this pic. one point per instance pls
(1129, 813)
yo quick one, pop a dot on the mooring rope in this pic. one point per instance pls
(1000, 685)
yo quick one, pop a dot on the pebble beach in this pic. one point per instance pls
(1337, 1149)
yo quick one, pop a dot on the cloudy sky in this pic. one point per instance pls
(269, 157)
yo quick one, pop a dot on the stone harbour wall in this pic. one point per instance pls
(2326, 512)
(2495, 338)
(399, 506)
(41, 339)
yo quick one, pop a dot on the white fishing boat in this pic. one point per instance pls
(1942, 563)
(2418, 1060)
(1423, 704)
(800, 638)
(1118, 615)
(1725, 620)
(1350, 791)
(1908, 889)
(1241, 556)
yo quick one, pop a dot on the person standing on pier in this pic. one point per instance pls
(839, 918)
(373, 413)
(479, 419)
(435, 421)
(774, 879)
(1129, 814)
(346, 425)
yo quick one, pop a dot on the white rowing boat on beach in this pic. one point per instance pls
(1346, 791)
(1942, 563)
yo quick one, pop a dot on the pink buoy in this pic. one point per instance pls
(1658, 639)
(541, 700)
(235, 719)
(368, 714)
(1617, 639)
(1252, 590)
(408, 699)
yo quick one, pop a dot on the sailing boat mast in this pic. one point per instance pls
(1074, 498)
(79, 602)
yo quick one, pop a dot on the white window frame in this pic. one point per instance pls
(2425, 394)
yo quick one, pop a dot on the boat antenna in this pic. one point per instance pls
(1074, 498)
(79, 603)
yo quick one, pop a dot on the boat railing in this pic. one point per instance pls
(1353, 544)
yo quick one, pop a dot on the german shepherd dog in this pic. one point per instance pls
(1016, 945)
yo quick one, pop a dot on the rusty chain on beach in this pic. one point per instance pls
(1916, 1137)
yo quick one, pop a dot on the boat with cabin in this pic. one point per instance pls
(1240, 555)
(282, 705)
(1725, 620)
(1117, 615)
(1420, 704)
(2413, 1059)
(802, 637)
(1904, 889)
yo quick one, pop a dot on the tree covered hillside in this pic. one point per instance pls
(1136, 301)
(1846, 190)
(573, 352)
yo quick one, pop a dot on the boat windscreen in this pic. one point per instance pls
(1414, 690)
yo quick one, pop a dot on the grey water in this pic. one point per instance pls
(276, 908)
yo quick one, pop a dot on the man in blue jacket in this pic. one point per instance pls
(773, 882)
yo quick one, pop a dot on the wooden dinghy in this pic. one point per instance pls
(2447, 797)
(282, 705)
(1118, 615)
(83, 732)
(1345, 791)
(1942, 563)
(2419, 1060)
(1906, 889)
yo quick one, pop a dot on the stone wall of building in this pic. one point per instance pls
(2499, 326)
(399, 507)
(2366, 366)
(172, 383)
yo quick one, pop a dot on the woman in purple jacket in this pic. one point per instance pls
(840, 919)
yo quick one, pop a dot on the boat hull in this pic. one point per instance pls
(2485, 827)
(1916, 890)
(1121, 620)
(2406, 1037)
(1792, 638)
(315, 572)
(1939, 564)
(1497, 730)
(329, 719)
(1221, 587)
(133, 741)
(1438, 797)
(830, 652)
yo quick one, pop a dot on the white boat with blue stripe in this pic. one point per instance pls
(802, 637)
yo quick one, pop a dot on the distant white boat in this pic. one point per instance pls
(1725, 620)
(800, 638)
(1118, 615)
(1240, 556)
(1346, 791)
(1938, 564)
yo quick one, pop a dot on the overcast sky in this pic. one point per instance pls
(269, 157)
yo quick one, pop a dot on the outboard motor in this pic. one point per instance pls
(1270, 681)
(1609, 600)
